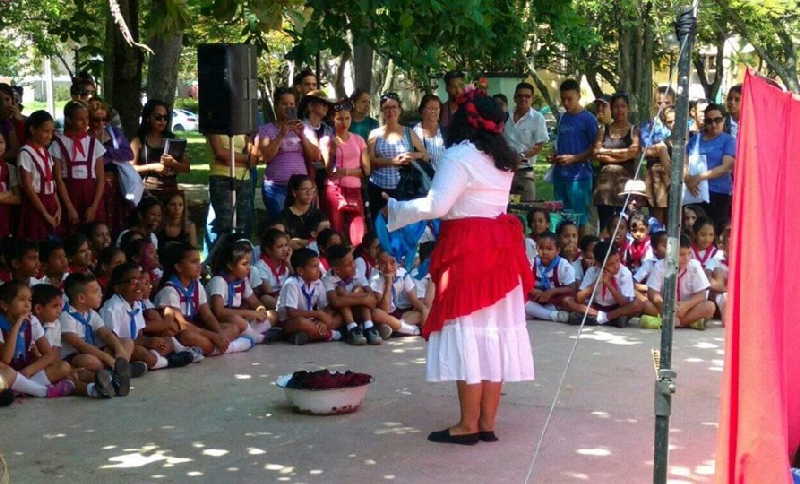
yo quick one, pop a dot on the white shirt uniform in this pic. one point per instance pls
(169, 297)
(603, 296)
(71, 324)
(577, 268)
(36, 166)
(36, 332)
(118, 314)
(644, 270)
(565, 271)
(705, 256)
(530, 250)
(332, 281)
(403, 283)
(691, 280)
(274, 279)
(52, 332)
(525, 133)
(297, 294)
(81, 165)
(363, 269)
(218, 286)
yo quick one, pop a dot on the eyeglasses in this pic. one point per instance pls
(714, 120)
(344, 106)
(159, 117)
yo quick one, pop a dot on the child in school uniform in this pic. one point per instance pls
(366, 255)
(48, 302)
(615, 300)
(567, 234)
(40, 212)
(231, 297)
(718, 278)
(87, 343)
(108, 259)
(586, 260)
(303, 305)
(54, 264)
(621, 240)
(399, 310)
(351, 297)
(9, 191)
(554, 283)
(693, 306)
(270, 272)
(320, 225)
(76, 247)
(640, 248)
(24, 347)
(144, 253)
(539, 223)
(184, 300)
(704, 247)
(80, 169)
(23, 257)
(658, 242)
(327, 239)
(123, 314)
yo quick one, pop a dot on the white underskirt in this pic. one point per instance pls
(490, 344)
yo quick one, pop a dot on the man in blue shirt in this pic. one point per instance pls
(572, 174)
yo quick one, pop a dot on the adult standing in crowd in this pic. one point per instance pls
(602, 110)
(158, 170)
(526, 133)
(428, 130)
(719, 150)
(362, 123)
(476, 329)
(221, 185)
(346, 163)
(502, 102)
(391, 146)
(286, 146)
(304, 82)
(9, 121)
(454, 85)
(733, 102)
(616, 148)
(314, 107)
(655, 138)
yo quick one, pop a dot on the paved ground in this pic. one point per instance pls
(222, 421)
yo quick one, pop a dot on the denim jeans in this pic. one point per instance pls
(274, 196)
(219, 191)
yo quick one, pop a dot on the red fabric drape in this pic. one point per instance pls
(760, 402)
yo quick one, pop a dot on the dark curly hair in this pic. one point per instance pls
(492, 144)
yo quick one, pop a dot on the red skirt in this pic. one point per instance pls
(477, 261)
(32, 225)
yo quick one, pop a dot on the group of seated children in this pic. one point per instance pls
(629, 263)
(77, 318)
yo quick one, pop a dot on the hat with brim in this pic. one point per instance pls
(634, 187)
(318, 96)
(603, 99)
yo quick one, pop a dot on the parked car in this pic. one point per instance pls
(183, 120)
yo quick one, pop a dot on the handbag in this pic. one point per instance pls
(415, 178)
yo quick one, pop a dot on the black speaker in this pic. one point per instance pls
(228, 88)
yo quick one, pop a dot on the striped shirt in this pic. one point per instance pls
(389, 176)
(434, 146)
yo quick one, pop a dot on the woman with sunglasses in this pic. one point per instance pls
(158, 170)
(346, 162)
(391, 146)
(718, 148)
(616, 148)
(118, 150)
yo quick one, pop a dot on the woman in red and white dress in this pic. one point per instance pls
(476, 328)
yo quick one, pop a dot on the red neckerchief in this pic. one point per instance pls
(77, 143)
(278, 269)
(680, 276)
(77, 270)
(46, 169)
(324, 262)
(623, 247)
(709, 254)
(613, 283)
(637, 250)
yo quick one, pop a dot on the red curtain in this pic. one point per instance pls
(759, 427)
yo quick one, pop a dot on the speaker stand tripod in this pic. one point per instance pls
(232, 173)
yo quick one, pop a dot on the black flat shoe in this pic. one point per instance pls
(488, 436)
(443, 436)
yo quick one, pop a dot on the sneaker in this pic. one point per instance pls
(575, 319)
(6, 397)
(197, 354)
(561, 317)
(298, 338)
(620, 322)
(138, 368)
(273, 335)
(355, 337)
(634, 322)
(650, 322)
(179, 358)
(103, 384)
(373, 337)
(121, 377)
(385, 331)
(63, 388)
(699, 325)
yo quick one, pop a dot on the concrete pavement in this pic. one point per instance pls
(222, 421)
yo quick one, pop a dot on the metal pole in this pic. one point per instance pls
(665, 386)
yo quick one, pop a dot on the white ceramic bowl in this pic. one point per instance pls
(332, 401)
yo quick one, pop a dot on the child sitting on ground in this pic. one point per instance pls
(366, 256)
(110, 258)
(87, 343)
(185, 302)
(54, 264)
(48, 304)
(689, 215)
(693, 306)
(539, 223)
(639, 247)
(398, 308)
(231, 297)
(554, 283)
(322, 224)
(24, 347)
(350, 297)
(144, 253)
(76, 247)
(658, 243)
(123, 314)
(24, 261)
(718, 267)
(302, 303)
(704, 248)
(272, 269)
(327, 239)
(614, 301)
(586, 260)
(621, 240)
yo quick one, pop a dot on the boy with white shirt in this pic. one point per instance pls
(693, 306)
(615, 300)
(54, 264)
(398, 308)
(526, 132)
(351, 297)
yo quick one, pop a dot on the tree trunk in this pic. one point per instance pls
(122, 75)
(162, 67)
(388, 81)
(543, 90)
(591, 78)
(711, 87)
(338, 82)
(362, 66)
(644, 94)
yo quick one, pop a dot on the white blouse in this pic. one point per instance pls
(467, 184)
